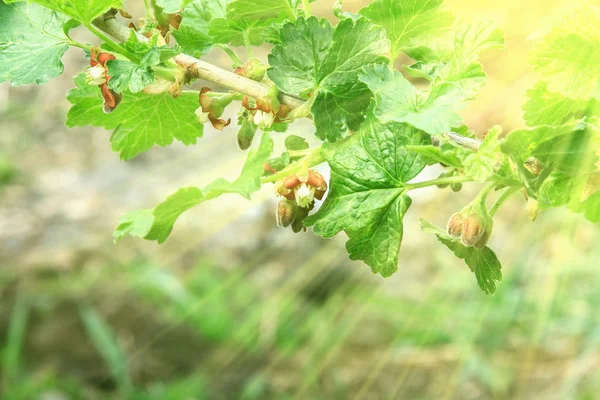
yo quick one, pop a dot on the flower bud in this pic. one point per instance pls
(473, 229)
(455, 223)
(483, 240)
(245, 135)
(286, 212)
(533, 165)
(253, 69)
(298, 224)
(456, 187)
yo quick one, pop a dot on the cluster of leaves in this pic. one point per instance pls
(379, 130)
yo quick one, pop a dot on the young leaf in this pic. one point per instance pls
(296, 61)
(455, 60)
(481, 164)
(32, 43)
(367, 197)
(331, 62)
(174, 6)
(127, 75)
(397, 100)
(548, 108)
(84, 11)
(243, 10)
(193, 33)
(446, 154)
(294, 142)
(409, 23)
(570, 148)
(159, 224)
(140, 121)
(569, 56)
(482, 262)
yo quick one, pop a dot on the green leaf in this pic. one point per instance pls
(149, 52)
(481, 164)
(84, 11)
(311, 57)
(32, 43)
(141, 120)
(482, 262)
(294, 142)
(295, 63)
(580, 193)
(174, 6)
(244, 10)
(456, 60)
(397, 100)
(367, 197)
(548, 108)
(410, 23)
(446, 154)
(569, 55)
(127, 75)
(570, 148)
(159, 224)
(193, 33)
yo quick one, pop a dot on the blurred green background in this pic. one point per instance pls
(231, 307)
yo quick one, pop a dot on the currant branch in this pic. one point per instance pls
(199, 69)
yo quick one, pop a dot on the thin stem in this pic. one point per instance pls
(111, 42)
(438, 181)
(306, 6)
(315, 157)
(503, 197)
(300, 153)
(83, 46)
(149, 10)
(466, 142)
(168, 73)
(236, 60)
(290, 11)
(248, 45)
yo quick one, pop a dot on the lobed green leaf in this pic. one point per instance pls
(367, 197)
(32, 43)
(141, 120)
(157, 224)
(482, 262)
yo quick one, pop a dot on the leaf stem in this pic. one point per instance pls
(438, 181)
(236, 60)
(248, 44)
(300, 153)
(503, 197)
(83, 46)
(306, 6)
(149, 11)
(101, 35)
(289, 11)
(315, 157)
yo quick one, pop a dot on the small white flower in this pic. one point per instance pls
(264, 120)
(201, 115)
(267, 120)
(304, 195)
(95, 75)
